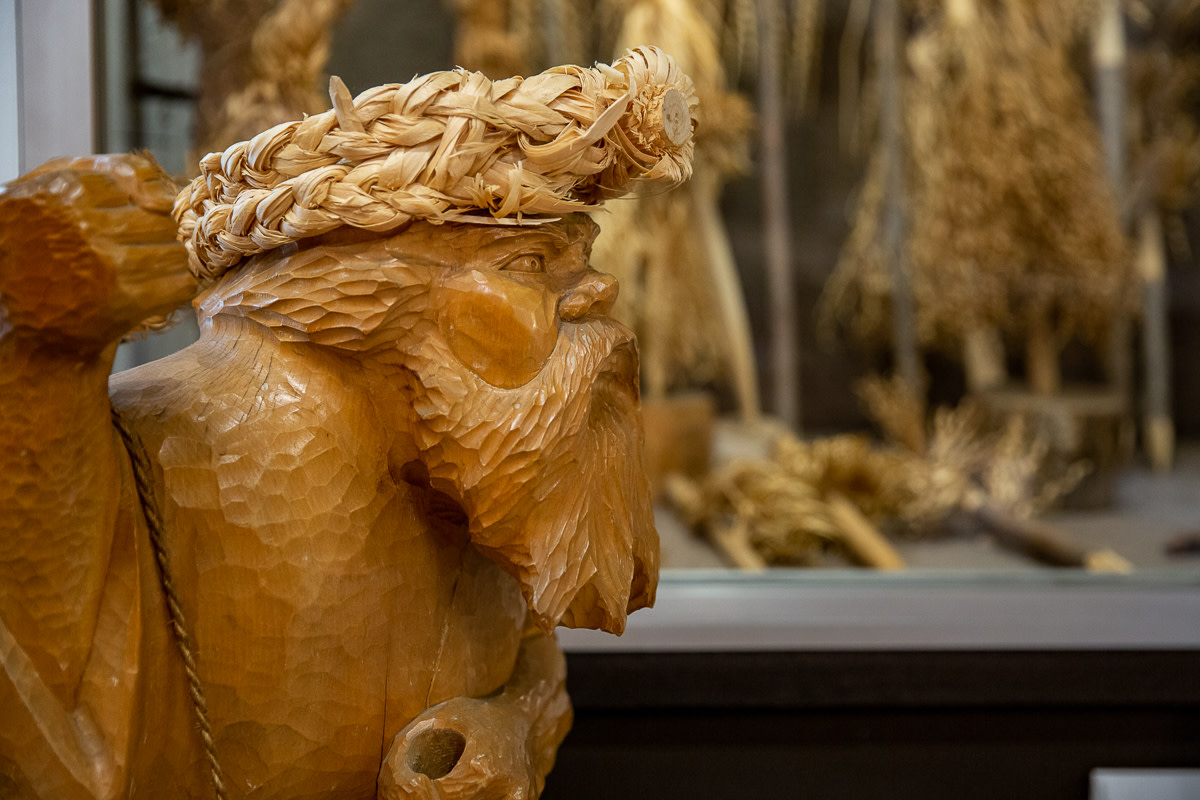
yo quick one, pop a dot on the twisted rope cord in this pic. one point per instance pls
(141, 478)
(446, 146)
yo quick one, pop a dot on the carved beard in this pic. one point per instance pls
(550, 474)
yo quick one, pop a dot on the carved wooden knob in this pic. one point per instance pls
(667, 124)
(676, 118)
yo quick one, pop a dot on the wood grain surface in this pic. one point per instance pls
(389, 468)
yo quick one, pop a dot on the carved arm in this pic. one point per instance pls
(497, 746)
(87, 252)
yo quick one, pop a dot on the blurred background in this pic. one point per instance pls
(919, 349)
(901, 210)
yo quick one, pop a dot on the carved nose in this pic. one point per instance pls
(595, 294)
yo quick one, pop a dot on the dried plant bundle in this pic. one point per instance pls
(785, 507)
(1006, 464)
(789, 507)
(1164, 91)
(262, 62)
(486, 38)
(670, 253)
(800, 25)
(1010, 214)
(449, 146)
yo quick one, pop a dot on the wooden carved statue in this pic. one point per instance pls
(321, 552)
(262, 62)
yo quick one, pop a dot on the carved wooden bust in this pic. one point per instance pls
(321, 552)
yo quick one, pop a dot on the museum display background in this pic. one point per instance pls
(985, 678)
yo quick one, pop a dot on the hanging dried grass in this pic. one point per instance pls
(263, 62)
(807, 22)
(800, 25)
(670, 253)
(1009, 208)
(566, 36)
(488, 37)
(449, 146)
(1164, 90)
(1014, 211)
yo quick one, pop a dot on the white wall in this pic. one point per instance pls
(54, 79)
(10, 112)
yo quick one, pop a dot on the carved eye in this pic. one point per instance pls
(526, 262)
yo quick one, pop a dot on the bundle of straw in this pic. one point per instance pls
(262, 62)
(780, 510)
(449, 146)
(1009, 208)
(671, 254)
(792, 507)
(969, 456)
(1015, 211)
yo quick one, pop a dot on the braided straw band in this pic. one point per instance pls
(449, 146)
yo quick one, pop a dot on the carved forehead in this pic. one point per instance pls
(394, 270)
(448, 244)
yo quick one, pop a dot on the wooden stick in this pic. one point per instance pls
(733, 543)
(1108, 58)
(983, 358)
(862, 539)
(888, 45)
(1046, 543)
(784, 355)
(740, 342)
(1041, 352)
(849, 89)
(1158, 426)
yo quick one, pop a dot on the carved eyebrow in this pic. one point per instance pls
(530, 239)
(502, 251)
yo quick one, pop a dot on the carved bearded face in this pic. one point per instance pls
(521, 395)
(531, 419)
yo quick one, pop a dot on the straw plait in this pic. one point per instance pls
(449, 146)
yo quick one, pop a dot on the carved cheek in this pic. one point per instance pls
(502, 328)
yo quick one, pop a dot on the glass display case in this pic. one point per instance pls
(959, 591)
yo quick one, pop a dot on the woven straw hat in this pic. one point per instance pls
(446, 147)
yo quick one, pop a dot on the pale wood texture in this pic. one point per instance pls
(679, 436)
(777, 238)
(390, 466)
